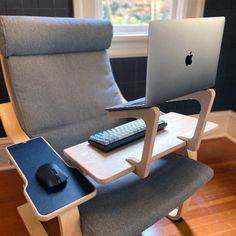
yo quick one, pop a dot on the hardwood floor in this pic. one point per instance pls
(212, 210)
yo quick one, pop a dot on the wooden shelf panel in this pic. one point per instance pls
(184, 126)
(106, 167)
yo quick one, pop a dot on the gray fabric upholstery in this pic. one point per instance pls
(62, 97)
(26, 35)
(129, 205)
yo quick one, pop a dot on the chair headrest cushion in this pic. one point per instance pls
(26, 35)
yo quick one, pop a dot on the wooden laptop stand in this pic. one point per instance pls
(151, 118)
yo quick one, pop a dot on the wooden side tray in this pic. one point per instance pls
(47, 204)
(43, 203)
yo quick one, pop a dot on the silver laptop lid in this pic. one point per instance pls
(182, 57)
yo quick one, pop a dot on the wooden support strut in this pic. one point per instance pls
(33, 225)
(69, 223)
(151, 118)
(178, 212)
(206, 99)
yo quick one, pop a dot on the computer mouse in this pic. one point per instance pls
(51, 176)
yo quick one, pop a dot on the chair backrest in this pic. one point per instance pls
(59, 76)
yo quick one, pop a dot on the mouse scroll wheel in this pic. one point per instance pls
(56, 175)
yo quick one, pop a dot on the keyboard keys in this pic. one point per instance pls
(121, 135)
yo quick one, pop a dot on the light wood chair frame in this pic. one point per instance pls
(69, 220)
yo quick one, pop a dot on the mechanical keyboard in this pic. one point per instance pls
(121, 135)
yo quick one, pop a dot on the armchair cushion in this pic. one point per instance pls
(59, 76)
(62, 97)
(129, 205)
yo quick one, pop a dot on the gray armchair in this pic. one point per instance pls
(59, 79)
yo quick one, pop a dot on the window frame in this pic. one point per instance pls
(133, 42)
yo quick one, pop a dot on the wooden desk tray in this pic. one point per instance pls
(106, 167)
(28, 157)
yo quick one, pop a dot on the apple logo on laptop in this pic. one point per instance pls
(188, 59)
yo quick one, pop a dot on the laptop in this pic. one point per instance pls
(183, 58)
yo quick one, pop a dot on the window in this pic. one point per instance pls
(131, 17)
(136, 12)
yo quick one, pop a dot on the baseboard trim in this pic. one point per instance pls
(227, 125)
(233, 139)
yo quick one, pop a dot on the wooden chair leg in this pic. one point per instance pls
(33, 225)
(69, 223)
(177, 213)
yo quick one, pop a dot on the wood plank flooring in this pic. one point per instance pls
(212, 210)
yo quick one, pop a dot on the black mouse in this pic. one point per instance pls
(51, 176)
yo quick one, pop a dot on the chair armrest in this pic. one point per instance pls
(11, 124)
(8, 116)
